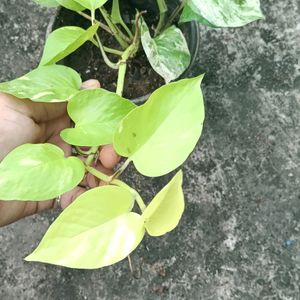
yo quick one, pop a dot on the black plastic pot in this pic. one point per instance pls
(65, 17)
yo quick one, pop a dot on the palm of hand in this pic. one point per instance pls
(22, 121)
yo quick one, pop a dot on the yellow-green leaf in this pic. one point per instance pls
(96, 230)
(165, 210)
(159, 135)
(52, 83)
(65, 40)
(71, 4)
(96, 114)
(38, 172)
(91, 4)
(49, 3)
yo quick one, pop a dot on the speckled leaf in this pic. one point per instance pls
(38, 172)
(96, 114)
(222, 13)
(49, 3)
(159, 135)
(167, 53)
(71, 4)
(91, 4)
(165, 210)
(65, 40)
(45, 84)
(96, 230)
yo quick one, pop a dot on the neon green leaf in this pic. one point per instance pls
(91, 4)
(64, 41)
(96, 114)
(49, 3)
(96, 230)
(71, 4)
(159, 135)
(165, 210)
(38, 172)
(222, 13)
(45, 84)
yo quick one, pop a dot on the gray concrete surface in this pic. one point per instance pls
(240, 234)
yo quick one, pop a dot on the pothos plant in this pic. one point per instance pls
(102, 226)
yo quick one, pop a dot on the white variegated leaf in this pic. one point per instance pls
(167, 53)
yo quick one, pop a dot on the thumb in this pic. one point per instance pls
(44, 112)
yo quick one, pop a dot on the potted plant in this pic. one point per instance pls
(141, 79)
(103, 226)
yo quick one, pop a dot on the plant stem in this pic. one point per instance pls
(112, 51)
(107, 49)
(136, 195)
(98, 174)
(162, 15)
(129, 52)
(121, 170)
(122, 69)
(136, 37)
(91, 156)
(101, 25)
(121, 78)
(119, 183)
(83, 152)
(136, 274)
(117, 18)
(113, 28)
(105, 58)
(93, 16)
(175, 13)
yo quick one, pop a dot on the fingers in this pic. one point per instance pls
(38, 112)
(52, 133)
(69, 197)
(11, 211)
(44, 112)
(108, 157)
(90, 84)
(57, 140)
(91, 181)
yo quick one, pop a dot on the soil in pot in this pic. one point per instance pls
(140, 79)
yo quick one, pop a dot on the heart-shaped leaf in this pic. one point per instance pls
(49, 3)
(165, 210)
(71, 4)
(45, 84)
(96, 230)
(222, 13)
(91, 4)
(64, 41)
(168, 53)
(159, 135)
(38, 172)
(96, 114)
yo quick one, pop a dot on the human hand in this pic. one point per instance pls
(23, 121)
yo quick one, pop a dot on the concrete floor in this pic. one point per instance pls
(240, 234)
